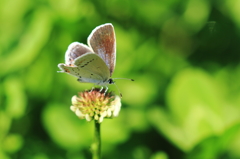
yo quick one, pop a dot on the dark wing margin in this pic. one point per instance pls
(102, 40)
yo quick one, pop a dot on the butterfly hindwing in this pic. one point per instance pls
(75, 50)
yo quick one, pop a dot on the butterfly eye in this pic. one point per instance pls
(110, 81)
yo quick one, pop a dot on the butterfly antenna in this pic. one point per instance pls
(117, 86)
(125, 79)
(118, 89)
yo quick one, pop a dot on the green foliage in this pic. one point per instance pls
(183, 55)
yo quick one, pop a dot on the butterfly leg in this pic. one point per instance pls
(106, 90)
(101, 89)
(92, 89)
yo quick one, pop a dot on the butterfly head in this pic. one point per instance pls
(110, 81)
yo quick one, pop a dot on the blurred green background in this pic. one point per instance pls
(183, 55)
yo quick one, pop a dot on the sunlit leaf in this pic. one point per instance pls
(30, 44)
(16, 97)
(65, 128)
(12, 143)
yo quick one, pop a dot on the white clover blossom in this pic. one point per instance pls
(96, 105)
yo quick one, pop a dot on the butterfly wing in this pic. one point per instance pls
(73, 70)
(102, 40)
(75, 50)
(89, 68)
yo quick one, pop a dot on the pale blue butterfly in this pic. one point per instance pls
(94, 63)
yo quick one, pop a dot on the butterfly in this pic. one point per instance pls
(96, 62)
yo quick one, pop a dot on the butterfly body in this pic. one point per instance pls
(94, 63)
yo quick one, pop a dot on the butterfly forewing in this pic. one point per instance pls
(103, 42)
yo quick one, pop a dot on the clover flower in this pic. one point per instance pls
(96, 105)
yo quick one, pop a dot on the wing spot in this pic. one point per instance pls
(87, 63)
(67, 70)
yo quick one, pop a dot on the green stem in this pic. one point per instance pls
(96, 147)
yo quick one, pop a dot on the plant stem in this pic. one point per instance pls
(96, 147)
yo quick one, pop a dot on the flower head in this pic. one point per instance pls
(96, 105)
